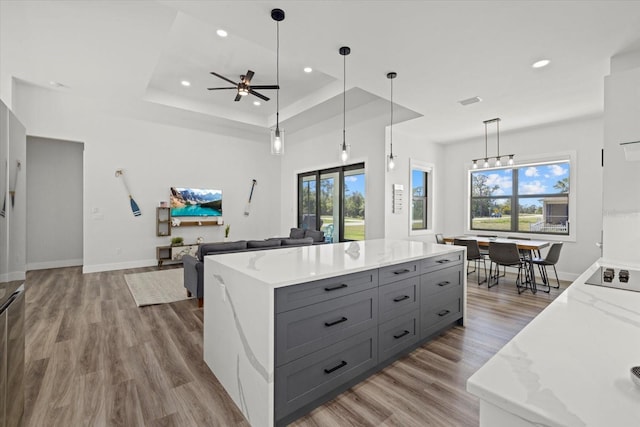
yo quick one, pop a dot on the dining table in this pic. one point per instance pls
(532, 246)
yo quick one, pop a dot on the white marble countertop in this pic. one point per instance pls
(570, 365)
(287, 266)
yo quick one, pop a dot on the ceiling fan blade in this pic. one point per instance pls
(265, 87)
(224, 78)
(259, 95)
(248, 76)
(219, 88)
(238, 97)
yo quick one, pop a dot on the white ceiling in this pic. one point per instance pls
(137, 52)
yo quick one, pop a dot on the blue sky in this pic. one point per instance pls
(355, 183)
(531, 180)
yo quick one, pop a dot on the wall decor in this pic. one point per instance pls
(246, 209)
(134, 206)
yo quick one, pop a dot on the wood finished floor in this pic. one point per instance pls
(93, 358)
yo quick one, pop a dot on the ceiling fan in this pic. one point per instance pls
(244, 86)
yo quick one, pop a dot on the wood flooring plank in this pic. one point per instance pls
(93, 358)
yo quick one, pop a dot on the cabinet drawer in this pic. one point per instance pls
(441, 261)
(399, 298)
(439, 310)
(397, 272)
(304, 380)
(397, 335)
(308, 329)
(441, 280)
(296, 296)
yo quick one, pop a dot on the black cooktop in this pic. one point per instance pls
(617, 278)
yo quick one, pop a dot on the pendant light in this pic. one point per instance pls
(498, 162)
(345, 148)
(391, 159)
(277, 134)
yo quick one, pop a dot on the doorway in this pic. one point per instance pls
(54, 203)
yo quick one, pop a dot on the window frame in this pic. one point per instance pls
(317, 174)
(429, 170)
(564, 157)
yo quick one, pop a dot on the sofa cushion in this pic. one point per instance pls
(317, 236)
(296, 233)
(268, 243)
(221, 247)
(297, 242)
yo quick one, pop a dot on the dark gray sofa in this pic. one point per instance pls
(194, 266)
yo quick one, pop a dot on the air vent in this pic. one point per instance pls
(469, 101)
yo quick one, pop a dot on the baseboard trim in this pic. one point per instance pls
(54, 264)
(96, 268)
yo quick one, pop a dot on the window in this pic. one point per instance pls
(420, 214)
(531, 198)
(333, 200)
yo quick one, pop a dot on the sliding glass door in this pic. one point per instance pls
(332, 200)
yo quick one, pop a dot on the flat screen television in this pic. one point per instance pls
(195, 202)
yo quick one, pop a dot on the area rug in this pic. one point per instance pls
(157, 287)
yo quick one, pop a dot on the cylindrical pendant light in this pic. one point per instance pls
(277, 134)
(345, 148)
(391, 160)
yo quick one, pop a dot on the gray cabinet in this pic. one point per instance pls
(332, 333)
(308, 329)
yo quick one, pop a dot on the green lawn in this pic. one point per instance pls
(504, 223)
(353, 227)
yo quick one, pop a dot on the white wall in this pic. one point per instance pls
(621, 220)
(317, 147)
(584, 136)
(406, 148)
(155, 157)
(16, 210)
(54, 203)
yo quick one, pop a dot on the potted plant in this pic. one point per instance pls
(177, 241)
(227, 228)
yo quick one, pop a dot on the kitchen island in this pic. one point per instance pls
(570, 366)
(288, 329)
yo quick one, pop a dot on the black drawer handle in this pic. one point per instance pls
(335, 288)
(344, 319)
(443, 313)
(402, 298)
(403, 271)
(442, 261)
(402, 334)
(335, 368)
(445, 283)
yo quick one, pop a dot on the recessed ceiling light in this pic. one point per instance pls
(308, 69)
(469, 101)
(541, 63)
(256, 103)
(185, 83)
(221, 33)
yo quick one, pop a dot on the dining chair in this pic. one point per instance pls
(440, 239)
(473, 254)
(506, 254)
(553, 255)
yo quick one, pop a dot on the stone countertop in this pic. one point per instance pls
(287, 266)
(570, 365)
